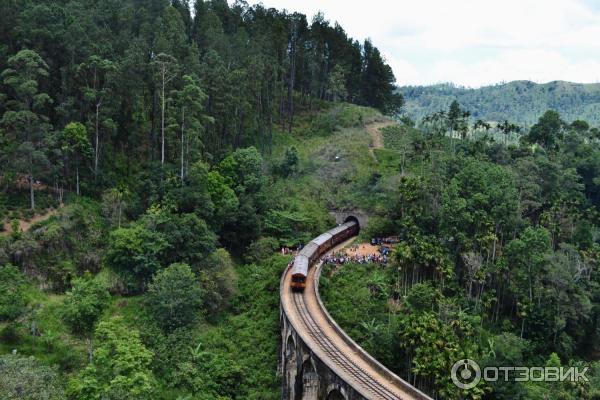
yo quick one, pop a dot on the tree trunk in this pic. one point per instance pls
(31, 192)
(182, 141)
(162, 135)
(97, 142)
(90, 349)
(120, 211)
(30, 162)
(291, 81)
(77, 177)
(282, 103)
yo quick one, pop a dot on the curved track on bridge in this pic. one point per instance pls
(332, 346)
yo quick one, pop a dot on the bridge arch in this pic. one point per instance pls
(336, 392)
(290, 347)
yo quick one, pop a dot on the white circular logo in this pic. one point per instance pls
(466, 374)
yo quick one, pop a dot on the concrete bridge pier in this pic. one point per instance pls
(310, 381)
(305, 376)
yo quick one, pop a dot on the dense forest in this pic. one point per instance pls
(148, 157)
(93, 90)
(520, 101)
(498, 257)
(155, 156)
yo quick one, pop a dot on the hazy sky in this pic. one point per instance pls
(472, 42)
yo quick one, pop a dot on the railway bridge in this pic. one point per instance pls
(319, 361)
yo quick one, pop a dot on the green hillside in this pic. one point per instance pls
(519, 101)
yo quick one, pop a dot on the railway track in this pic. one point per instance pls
(307, 314)
(340, 359)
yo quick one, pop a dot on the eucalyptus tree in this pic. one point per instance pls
(337, 84)
(97, 75)
(166, 70)
(76, 143)
(26, 117)
(189, 101)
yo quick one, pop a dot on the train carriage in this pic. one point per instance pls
(299, 272)
(317, 247)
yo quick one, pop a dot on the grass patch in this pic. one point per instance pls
(356, 299)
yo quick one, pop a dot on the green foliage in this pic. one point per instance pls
(218, 279)
(237, 356)
(519, 101)
(75, 139)
(261, 249)
(289, 164)
(188, 237)
(290, 227)
(243, 169)
(120, 369)
(24, 118)
(61, 247)
(84, 305)
(422, 297)
(340, 116)
(76, 144)
(547, 130)
(26, 378)
(174, 297)
(136, 253)
(13, 293)
(366, 304)
(498, 258)
(224, 199)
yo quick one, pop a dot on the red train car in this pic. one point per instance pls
(317, 247)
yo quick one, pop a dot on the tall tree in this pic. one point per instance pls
(75, 142)
(547, 130)
(26, 119)
(97, 75)
(337, 84)
(457, 119)
(166, 68)
(190, 102)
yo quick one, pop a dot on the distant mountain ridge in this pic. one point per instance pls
(521, 102)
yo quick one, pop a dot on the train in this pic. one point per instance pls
(317, 247)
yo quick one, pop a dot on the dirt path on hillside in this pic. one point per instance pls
(25, 225)
(374, 130)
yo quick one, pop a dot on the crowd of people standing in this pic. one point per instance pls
(354, 256)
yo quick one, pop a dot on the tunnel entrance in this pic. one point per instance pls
(342, 216)
(353, 219)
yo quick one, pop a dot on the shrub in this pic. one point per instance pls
(27, 378)
(261, 249)
(9, 334)
(174, 297)
(13, 296)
